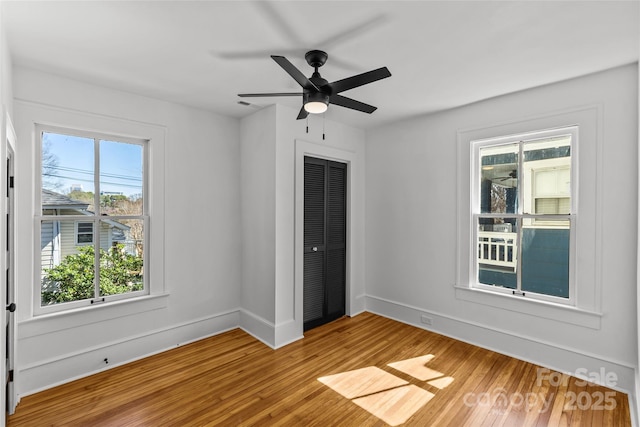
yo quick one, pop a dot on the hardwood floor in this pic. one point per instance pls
(234, 380)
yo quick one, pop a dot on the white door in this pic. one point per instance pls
(9, 326)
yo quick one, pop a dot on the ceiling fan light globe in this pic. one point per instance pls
(315, 107)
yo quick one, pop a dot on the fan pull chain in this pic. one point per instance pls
(323, 127)
(307, 124)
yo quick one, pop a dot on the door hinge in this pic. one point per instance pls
(516, 292)
(10, 375)
(10, 182)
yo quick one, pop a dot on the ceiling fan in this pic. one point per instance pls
(512, 175)
(317, 93)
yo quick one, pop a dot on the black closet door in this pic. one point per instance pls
(325, 232)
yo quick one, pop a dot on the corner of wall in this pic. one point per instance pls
(258, 327)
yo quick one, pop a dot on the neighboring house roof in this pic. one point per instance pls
(53, 200)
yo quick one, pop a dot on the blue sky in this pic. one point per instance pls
(120, 164)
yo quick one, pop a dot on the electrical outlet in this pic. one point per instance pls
(425, 319)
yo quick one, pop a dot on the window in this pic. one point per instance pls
(92, 218)
(84, 233)
(523, 214)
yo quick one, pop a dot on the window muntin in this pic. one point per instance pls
(93, 218)
(524, 215)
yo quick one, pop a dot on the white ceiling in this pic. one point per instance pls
(441, 54)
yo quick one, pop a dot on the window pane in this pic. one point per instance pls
(84, 238)
(121, 257)
(84, 233)
(547, 176)
(499, 179)
(497, 252)
(85, 227)
(67, 269)
(545, 259)
(121, 183)
(67, 173)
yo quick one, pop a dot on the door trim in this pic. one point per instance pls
(354, 301)
(8, 144)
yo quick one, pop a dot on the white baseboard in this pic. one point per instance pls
(258, 327)
(288, 332)
(548, 355)
(63, 369)
(274, 336)
(358, 305)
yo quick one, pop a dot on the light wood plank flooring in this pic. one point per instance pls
(234, 380)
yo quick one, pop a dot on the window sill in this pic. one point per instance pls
(68, 319)
(547, 310)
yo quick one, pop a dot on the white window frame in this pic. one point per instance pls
(98, 300)
(523, 215)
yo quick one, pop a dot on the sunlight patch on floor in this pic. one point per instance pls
(362, 382)
(441, 383)
(396, 406)
(391, 399)
(416, 368)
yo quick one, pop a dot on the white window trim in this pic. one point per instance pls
(65, 121)
(587, 267)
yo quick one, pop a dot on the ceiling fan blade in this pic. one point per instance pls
(343, 101)
(359, 80)
(350, 33)
(302, 114)
(294, 72)
(346, 65)
(256, 95)
(279, 23)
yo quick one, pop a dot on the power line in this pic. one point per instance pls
(88, 172)
(91, 181)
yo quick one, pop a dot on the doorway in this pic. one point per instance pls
(325, 237)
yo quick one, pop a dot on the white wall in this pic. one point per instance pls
(257, 148)
(201, 263)
(412, 213)
(273, 149)
(6, 71)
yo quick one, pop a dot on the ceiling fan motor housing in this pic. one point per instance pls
(320, 83)
(316, 58)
